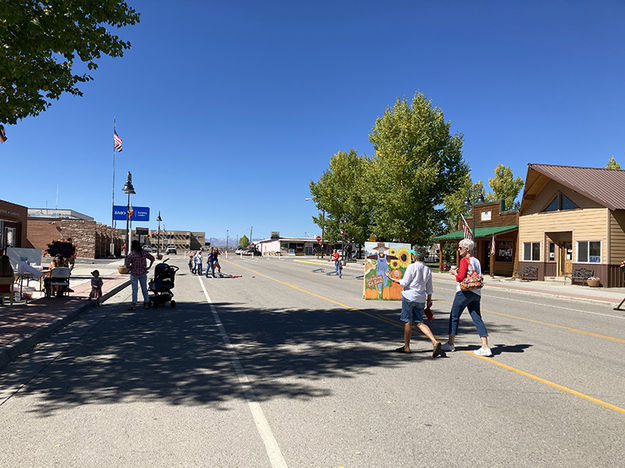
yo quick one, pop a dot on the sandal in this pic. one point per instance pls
(401, 349)
(437, 350)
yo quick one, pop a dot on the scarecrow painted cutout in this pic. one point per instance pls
(383, 257)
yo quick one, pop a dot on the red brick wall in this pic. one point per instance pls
(43, 231)
(16, 214)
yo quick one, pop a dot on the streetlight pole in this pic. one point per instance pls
(158, 246)
(323, 223)
(128, 189)
(227, 234)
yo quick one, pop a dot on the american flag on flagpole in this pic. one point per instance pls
(467, 229)
(492, 246)
(117, 141)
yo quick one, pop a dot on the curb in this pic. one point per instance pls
(546, 293)
(28, 342)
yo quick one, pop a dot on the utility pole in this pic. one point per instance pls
(252, 227)
(227, 233)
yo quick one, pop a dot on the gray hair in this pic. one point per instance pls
(467, 244)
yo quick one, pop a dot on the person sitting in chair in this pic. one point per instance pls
(6, 271)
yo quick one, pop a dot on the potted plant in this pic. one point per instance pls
(593, 282)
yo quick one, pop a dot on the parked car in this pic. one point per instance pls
(250, 251)
(148, 248)
(171, 249)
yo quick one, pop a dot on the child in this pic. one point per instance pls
(338, 264)
(96, 287)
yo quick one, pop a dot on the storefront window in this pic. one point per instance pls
(589, 251)
(531, 251)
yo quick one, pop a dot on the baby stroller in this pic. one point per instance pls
(162, 284)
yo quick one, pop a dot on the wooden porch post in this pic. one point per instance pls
(440, 257)
(492, 263)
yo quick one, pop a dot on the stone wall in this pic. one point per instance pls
(92, 239)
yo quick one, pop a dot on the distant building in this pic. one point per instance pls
(183, 240)
(294, 246)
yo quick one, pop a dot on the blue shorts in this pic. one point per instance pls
(411, 311)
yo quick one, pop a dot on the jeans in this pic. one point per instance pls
(199, 268)
(338, 267)
(212, 268)
(471, 301)
(143, 281)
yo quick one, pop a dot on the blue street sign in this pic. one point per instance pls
(140, 213)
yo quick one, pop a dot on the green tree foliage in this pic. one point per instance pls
(612, 164)
(244, 242)
(40, 41)
(338, 193)
(505, 187)
(417, 163)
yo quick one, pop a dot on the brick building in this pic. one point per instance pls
(92, 239)
(13, 225)
(183, 240)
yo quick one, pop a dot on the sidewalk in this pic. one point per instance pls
(611, 296)
(23, 325)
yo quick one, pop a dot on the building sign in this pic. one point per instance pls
(504, 251)
(139, 213)
(486, 215)
(275, 235)
(142, 231)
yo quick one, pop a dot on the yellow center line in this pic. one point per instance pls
(550, 324)
(548, 382)
(469, 353)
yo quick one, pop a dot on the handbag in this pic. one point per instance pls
(472, 280)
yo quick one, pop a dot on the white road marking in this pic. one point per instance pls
(271, 445)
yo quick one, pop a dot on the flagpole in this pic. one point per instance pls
(113, 197)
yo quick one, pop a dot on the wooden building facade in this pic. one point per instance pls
(573, 219)
(492, 224)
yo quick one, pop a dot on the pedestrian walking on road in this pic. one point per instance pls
(209, 263)
(216, 261)
(338, 264)
(96, 287)
(468, 295)
(198, 262)
(136, 261)
(417, 294)
(191, 261)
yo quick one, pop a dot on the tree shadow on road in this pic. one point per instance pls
(178, 355)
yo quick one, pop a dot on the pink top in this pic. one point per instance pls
(137, 264)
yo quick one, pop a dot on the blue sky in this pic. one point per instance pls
(227, 110)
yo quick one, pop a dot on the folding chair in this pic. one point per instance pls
(59, 278)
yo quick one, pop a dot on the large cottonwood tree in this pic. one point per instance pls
(42, 41)
(417, 163)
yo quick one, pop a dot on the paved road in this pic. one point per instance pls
(288, 366)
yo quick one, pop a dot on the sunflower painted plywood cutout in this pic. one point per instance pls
(383, 257)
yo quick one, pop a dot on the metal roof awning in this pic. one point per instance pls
(479, 232)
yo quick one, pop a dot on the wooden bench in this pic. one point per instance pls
(529, 273)
(580, 275)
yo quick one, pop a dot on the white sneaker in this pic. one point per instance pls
(483, 352)
(448, 348)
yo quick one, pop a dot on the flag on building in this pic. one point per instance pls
(3, 136)
(117, 141)
(467, 229)
(492, 246)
